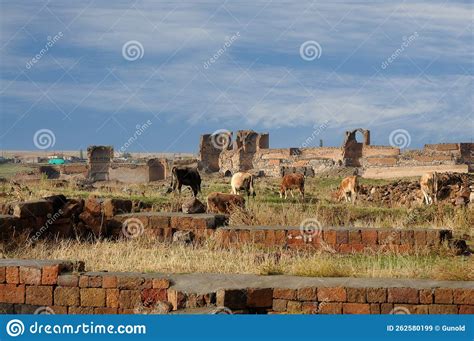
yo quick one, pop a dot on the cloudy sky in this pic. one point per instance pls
(90, 72)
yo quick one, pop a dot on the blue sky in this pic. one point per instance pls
(382, 66)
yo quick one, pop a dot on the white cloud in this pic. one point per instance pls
(179, 38)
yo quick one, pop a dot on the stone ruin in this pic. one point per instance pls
(152, 170)
(102, 168)
(228, 155)
(98, 160)
(453, 188)
(352, 150)
(63, 287)
(250, 151)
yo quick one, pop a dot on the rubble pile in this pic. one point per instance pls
(453, 188)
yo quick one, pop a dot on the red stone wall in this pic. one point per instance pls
(29, 286)
(341, 240)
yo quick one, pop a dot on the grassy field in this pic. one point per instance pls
(266, 209)
(8, 170)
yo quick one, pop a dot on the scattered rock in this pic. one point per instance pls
(116, 206)
(159, 308)
(452, 188)
(92, 205)
(94, 223)
(193, 206)
(183, 237)
(73, 207)
(58, 201)
(37, 208)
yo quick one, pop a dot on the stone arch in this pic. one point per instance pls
(352, 149)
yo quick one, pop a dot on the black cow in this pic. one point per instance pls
(187, 177)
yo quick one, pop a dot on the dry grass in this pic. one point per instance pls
(148, 256)
(266, 209)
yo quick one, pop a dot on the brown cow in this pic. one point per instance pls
(290, 182)
(348, 189)
(429, 187)
(224, 202)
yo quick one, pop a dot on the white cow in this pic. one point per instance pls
(242, 181)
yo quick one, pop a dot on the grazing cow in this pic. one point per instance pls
(185, 176)
(242, 181)
(348, 189)
(429, 187)
(290, 182)
(224, 203)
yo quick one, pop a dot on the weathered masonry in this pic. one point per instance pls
(98, 159)
(63, 287)
(102, 168)
(250, 152)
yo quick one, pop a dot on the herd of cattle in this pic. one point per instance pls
(244, 182)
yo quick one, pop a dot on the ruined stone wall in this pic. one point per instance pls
(467, 153)
(98, 160)
(334, 239)
(73, 168)
(158, 169)
(250, 152)
(459, 152)
(129, 173)
(432, 155)
(308, 161)
(108, 218)
(153, 170)
(209, 152)
(62, 287)
(371, 151)
(388, 172)
(240, 156)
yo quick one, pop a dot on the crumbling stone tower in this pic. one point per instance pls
(229, 156)
(209, 151)
(98, 162)
(240, 158)
(352, 149)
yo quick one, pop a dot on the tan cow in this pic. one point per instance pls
(429, 187)
(348, 189)
(224, 202)
(291, 182)
(242, 181)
